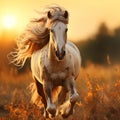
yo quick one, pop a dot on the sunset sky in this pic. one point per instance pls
(85, 15)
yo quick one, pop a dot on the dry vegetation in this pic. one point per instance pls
(99, 89)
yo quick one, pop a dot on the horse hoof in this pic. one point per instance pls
(74, 97)
(65, 110)
(67, 114)
(52, 110)
(45, 114)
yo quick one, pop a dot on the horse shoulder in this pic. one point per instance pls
(74, 55)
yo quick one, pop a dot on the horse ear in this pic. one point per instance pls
(49, 15)
(66, 14)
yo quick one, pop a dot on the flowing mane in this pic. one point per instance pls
(36, 34)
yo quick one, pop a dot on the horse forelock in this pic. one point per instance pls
(57, 14)
(36, 34)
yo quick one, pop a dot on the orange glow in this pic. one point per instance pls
(85, 15)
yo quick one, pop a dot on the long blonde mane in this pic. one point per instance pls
(36, 35)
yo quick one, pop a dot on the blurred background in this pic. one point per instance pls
(94, 27)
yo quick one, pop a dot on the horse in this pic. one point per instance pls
(55, 61)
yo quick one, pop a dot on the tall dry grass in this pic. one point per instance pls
(101, 100)
(98, 87)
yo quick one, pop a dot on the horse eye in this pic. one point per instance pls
(66, 30)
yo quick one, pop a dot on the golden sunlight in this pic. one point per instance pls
(9, 21)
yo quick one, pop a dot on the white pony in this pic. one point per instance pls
(54, 60)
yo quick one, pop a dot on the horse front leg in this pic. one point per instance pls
(73, 97)
(51, 108)
(47, 87)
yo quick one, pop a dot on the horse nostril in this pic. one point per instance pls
(57, 53)
(63, 52)
(60, 55)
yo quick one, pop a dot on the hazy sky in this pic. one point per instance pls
(85, 15)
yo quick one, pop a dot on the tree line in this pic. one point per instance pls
(102, 48)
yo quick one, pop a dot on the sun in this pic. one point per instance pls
(9, 21)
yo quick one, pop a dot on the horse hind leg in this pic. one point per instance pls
(62, 96)
(61, 100)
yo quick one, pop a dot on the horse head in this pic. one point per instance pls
(58, 32)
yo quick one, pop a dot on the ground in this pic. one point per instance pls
(98, 87)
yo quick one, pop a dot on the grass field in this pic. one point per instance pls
(98, 87)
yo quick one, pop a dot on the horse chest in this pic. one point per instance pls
(58, 76)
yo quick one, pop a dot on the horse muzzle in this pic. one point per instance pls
(60, 55)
